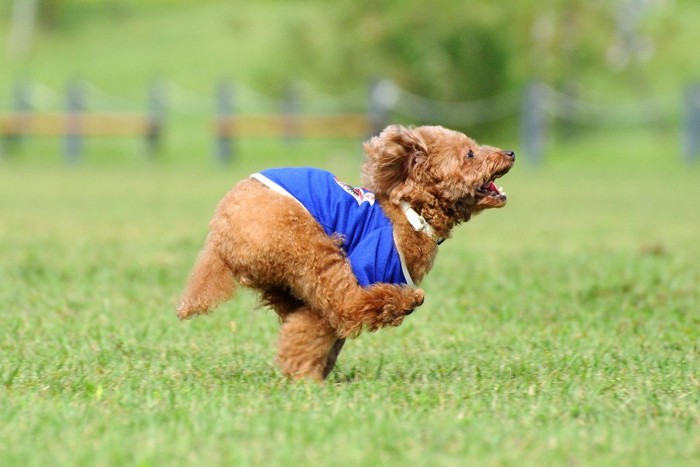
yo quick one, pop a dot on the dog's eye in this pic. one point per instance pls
(470, 154)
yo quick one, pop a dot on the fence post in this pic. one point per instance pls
(533, 122)
(224, 121)
(566, 126)
(383, 96)
(75, 106)
(157, 107)
(291, 107)
(21, 106)
(691, 124)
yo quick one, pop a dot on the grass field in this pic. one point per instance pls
(564, 329)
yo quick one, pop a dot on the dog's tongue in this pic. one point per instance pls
(492, 187)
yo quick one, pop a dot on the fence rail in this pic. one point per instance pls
(294, 126)
(91, 112)
(88, 125)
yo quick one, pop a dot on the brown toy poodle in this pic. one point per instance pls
(332, 259)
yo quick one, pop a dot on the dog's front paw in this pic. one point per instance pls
(413, 300)
(396, 309)
(418, 299)
(380, 305)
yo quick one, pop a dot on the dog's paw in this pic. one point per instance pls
(380, 305)
(418, 298)
(183, 315)
(394, 311)
(185, 312)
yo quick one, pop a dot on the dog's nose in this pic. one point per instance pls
(510, 154)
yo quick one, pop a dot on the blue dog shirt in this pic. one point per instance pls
(368, 236)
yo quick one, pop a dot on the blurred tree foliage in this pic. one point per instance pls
(64, 14)
(447, 50)
(473, 49)
(442, 49)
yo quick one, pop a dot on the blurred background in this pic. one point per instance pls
(613, 82)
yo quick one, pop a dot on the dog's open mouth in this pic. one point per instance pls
(490, 189)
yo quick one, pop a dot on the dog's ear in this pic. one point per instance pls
(392, 157)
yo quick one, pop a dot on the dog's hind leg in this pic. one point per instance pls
(210, 284)
(292, 358)
(305, 342)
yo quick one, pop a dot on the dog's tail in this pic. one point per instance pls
(210, 284)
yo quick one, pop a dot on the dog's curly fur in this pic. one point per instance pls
(269, 242)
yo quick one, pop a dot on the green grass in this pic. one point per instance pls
(564, 329)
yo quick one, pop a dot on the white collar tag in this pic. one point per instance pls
(419, 223)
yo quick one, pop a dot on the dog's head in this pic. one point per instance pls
(436, 168)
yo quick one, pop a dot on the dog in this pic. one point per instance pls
(333, 260)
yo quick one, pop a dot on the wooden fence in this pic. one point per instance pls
(290, 123)
(76, 123)
(537, 107)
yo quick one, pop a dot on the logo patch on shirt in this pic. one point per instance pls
(360, 195)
